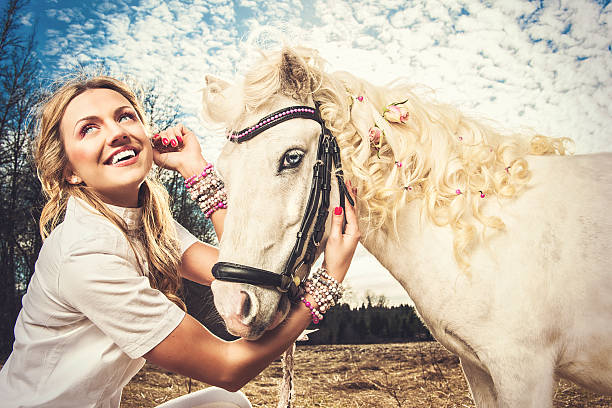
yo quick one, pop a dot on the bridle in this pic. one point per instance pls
(328, 153)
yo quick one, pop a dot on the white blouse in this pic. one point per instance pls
(88, 317)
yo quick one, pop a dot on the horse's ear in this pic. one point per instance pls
(215, 85)
(221, 102)
(294, 76)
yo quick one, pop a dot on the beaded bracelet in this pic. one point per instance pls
(207, 191)
(326, 292)
(316, 315)
(196, 177)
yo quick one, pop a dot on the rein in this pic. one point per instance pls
(317, 207)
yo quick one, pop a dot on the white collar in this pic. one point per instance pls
(131, 216)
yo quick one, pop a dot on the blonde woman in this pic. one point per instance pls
(103, 298)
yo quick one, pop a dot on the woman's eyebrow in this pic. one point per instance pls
(86, 118)
(94, 117)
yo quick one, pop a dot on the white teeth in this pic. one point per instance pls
(122, 155)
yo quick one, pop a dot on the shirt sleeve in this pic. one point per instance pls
(185, 237)
(101, 279)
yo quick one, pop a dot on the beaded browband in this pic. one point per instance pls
(315, 215)
(274, 119)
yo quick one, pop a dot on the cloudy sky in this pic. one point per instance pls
(540, 64)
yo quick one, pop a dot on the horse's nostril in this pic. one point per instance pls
(245, 304)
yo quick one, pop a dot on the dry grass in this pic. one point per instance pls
(376, 375)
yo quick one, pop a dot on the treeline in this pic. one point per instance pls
(369, 324)
(372, 322)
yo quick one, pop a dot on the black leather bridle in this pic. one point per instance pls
(328, 153)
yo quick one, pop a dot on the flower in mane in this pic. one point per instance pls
(396, 114)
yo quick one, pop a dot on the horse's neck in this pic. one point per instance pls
(418, 255)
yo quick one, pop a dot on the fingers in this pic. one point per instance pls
(171, 138)
(336, 223)
(352, 226)
(159, 158)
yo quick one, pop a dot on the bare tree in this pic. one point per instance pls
(19, 188)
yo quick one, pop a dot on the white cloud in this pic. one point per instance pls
(26, 19)
(548, 68)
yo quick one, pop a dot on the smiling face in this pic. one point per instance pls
(107, 146)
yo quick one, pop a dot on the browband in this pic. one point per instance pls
(274, 119)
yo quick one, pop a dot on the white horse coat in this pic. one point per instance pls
(535, 305)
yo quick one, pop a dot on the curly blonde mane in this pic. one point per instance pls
(441, 156)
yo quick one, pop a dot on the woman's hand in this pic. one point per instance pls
(341, 246)
(177, 148)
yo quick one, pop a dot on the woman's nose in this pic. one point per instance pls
(117, 135)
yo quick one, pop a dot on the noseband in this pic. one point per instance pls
(317, 207)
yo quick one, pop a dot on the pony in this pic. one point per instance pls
(501, 239)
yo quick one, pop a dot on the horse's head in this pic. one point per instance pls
(268, 180)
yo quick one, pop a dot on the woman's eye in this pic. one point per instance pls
(126, 116)
(292, 159)
(85, 130)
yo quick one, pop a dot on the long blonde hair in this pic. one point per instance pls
(448, 159)
(157, 233)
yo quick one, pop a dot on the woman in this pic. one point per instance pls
(103, 296)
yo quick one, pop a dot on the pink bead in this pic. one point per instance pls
(307, 303)
(360, 98)
(458, 191)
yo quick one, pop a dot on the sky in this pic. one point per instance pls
(544, 65)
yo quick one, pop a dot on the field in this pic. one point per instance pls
(378, 375)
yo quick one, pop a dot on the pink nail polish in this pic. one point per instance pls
(165, 141)
(180, 139)
(338, 210)
(174, 143)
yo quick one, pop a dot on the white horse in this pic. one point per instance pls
(506, 254)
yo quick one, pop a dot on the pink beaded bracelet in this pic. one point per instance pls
(196, 177)
(206, 190)
(216, 207)
(325, 290)
(316, 316)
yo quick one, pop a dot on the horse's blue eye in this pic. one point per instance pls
(292, 158)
